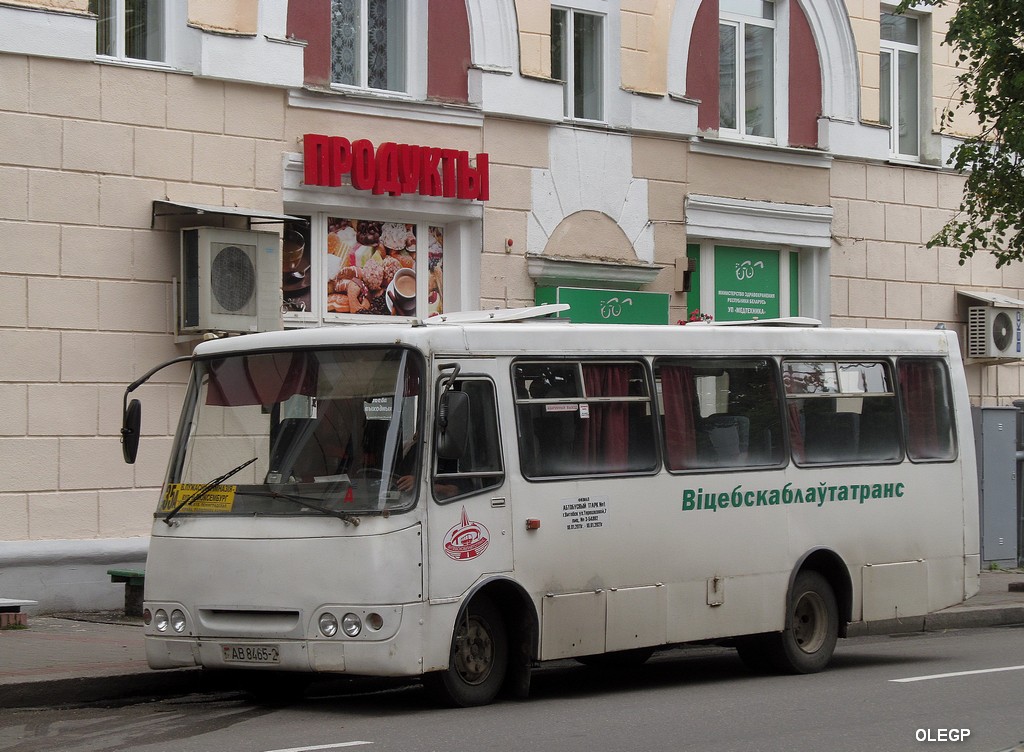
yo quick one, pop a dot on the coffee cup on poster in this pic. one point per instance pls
(293, 248)
(404, 292)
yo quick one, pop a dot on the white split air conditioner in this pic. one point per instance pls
(994, 332)
(230, 281)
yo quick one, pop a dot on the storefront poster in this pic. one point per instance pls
(371, 268)
(296, 268)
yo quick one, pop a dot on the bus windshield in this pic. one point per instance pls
(299, 432)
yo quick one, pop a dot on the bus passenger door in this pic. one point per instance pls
(469, 530)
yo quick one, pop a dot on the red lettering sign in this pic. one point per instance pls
(394, 169)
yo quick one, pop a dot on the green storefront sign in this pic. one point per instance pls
(593, 306)
(746, 284)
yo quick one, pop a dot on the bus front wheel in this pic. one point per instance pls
(479, 658)
(806, 645)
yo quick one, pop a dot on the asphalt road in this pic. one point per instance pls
(961, 690)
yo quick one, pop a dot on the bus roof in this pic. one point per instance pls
(523, 335)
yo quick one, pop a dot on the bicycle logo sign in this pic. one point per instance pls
(613, 307)
(745, 270)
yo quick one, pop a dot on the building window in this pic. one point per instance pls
(577, 59)
(899, 84)
(333, 266)
(746, 49)
(130, 29)
(368, 44)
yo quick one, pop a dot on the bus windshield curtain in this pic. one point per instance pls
(920, 390)
(605, 444)
(263, 379)
(679, 395)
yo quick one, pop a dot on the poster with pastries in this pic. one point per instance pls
(371, 267)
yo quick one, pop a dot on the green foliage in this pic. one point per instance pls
(988, 39)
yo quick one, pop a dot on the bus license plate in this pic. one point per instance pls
(251, 654)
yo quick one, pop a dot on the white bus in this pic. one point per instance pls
(463, 498)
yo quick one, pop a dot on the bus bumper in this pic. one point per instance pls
(398, 654)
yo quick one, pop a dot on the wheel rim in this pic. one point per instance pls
(474, 651)
(810, 622)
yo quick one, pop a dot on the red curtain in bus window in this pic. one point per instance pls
(605, 443)
(918, 384)
(679, 394)
(796, 431)
(260, 379)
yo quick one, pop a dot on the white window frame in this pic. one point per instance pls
(164, 17)
(596, 10)
(779, 73)
(415, 62)
(714, 220)
(893, 50)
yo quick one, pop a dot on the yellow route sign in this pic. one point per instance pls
(217, 499)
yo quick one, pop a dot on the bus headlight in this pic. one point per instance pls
(328, 624)
(374, 622)
(178, 620)
(351, 625)
(160, 620)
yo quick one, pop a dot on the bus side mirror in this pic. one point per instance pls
(131, 421)
(452, 425)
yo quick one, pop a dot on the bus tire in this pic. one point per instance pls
(806, 645)
(479, 658)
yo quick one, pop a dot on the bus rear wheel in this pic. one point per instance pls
(479, 658)
(807, 643)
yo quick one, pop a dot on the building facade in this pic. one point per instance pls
(382, 158)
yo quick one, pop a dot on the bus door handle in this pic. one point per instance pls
(497, 501)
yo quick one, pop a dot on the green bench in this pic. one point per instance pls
(134, 581)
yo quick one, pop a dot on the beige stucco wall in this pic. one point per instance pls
(534, 18)
(883, 275)
(85, 302)
(515, 148)
(645, 27)
(72, 6)
(240, 16)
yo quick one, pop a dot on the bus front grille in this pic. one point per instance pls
(249, 622)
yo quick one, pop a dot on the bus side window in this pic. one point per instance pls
(720, 412)
(584, 418)
(842, 412)
(481, 467)
(928, 409)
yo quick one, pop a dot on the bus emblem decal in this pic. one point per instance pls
(466, 540)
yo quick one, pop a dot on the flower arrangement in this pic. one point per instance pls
(696, 317)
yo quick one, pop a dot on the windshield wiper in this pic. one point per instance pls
(207, 488)
(348, 519)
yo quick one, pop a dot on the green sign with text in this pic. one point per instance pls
(746, 284)
(594, 306)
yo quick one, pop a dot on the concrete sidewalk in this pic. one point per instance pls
(71, 659)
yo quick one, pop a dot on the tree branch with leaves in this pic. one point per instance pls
(987, 37)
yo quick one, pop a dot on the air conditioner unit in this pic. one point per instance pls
(994, 332)
(230, 280)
